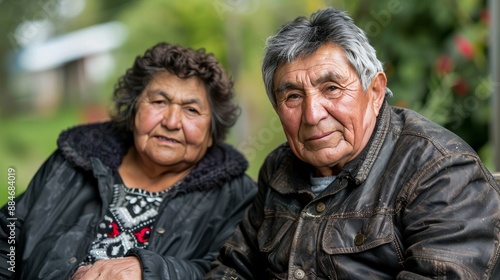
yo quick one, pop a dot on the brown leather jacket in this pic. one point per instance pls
(416, 204)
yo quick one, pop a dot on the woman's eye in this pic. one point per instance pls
(158, 102)
(192, 110)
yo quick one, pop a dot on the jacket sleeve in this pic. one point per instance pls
(451, 222)
(239, 256)
(157, 266)
(12, 216)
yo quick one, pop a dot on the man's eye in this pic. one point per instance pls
(292, 99)
(158, 102)
(332, 92)
(293, 96)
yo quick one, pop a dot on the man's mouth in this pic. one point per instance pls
(319, 136)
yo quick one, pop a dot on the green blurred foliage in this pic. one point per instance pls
(434, 54)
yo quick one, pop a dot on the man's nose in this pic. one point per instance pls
(313, 109)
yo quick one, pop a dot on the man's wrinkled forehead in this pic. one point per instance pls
(329, 62)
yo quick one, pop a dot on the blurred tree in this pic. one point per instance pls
(8, 23)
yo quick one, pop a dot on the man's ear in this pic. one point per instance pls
(377, 90)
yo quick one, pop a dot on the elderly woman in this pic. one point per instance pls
(151, 194)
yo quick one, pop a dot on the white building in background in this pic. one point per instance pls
(65, 67)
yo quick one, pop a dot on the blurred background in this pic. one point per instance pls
(60, 60)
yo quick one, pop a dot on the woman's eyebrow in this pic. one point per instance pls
(193, 100)
(184, 101)
(154, 92)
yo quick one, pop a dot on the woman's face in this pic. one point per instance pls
(172, 123)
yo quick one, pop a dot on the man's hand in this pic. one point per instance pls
(123, 268)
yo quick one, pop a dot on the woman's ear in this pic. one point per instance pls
(377, 91)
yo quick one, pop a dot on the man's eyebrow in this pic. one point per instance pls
(284, 86)
(331, 76)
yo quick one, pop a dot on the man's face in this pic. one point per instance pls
(327, 117)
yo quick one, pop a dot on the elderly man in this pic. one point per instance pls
(361, 190)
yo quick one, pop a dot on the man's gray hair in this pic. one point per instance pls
(302, 37)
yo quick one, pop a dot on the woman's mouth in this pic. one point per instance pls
(167, 139)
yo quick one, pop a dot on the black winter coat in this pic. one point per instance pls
(56, 218)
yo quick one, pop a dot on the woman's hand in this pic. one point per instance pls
(123, 268)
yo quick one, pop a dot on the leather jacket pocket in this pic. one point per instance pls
(361, 247)
(349, 235)
(272, 232)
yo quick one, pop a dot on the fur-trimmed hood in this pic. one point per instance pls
(109, 144)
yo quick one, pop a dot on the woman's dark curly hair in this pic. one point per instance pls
(184, 63)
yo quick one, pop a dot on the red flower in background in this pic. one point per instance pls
(464, 46)
(485, 17)
(461, 87)
(444, 65)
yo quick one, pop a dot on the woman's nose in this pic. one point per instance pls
(172, 117)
